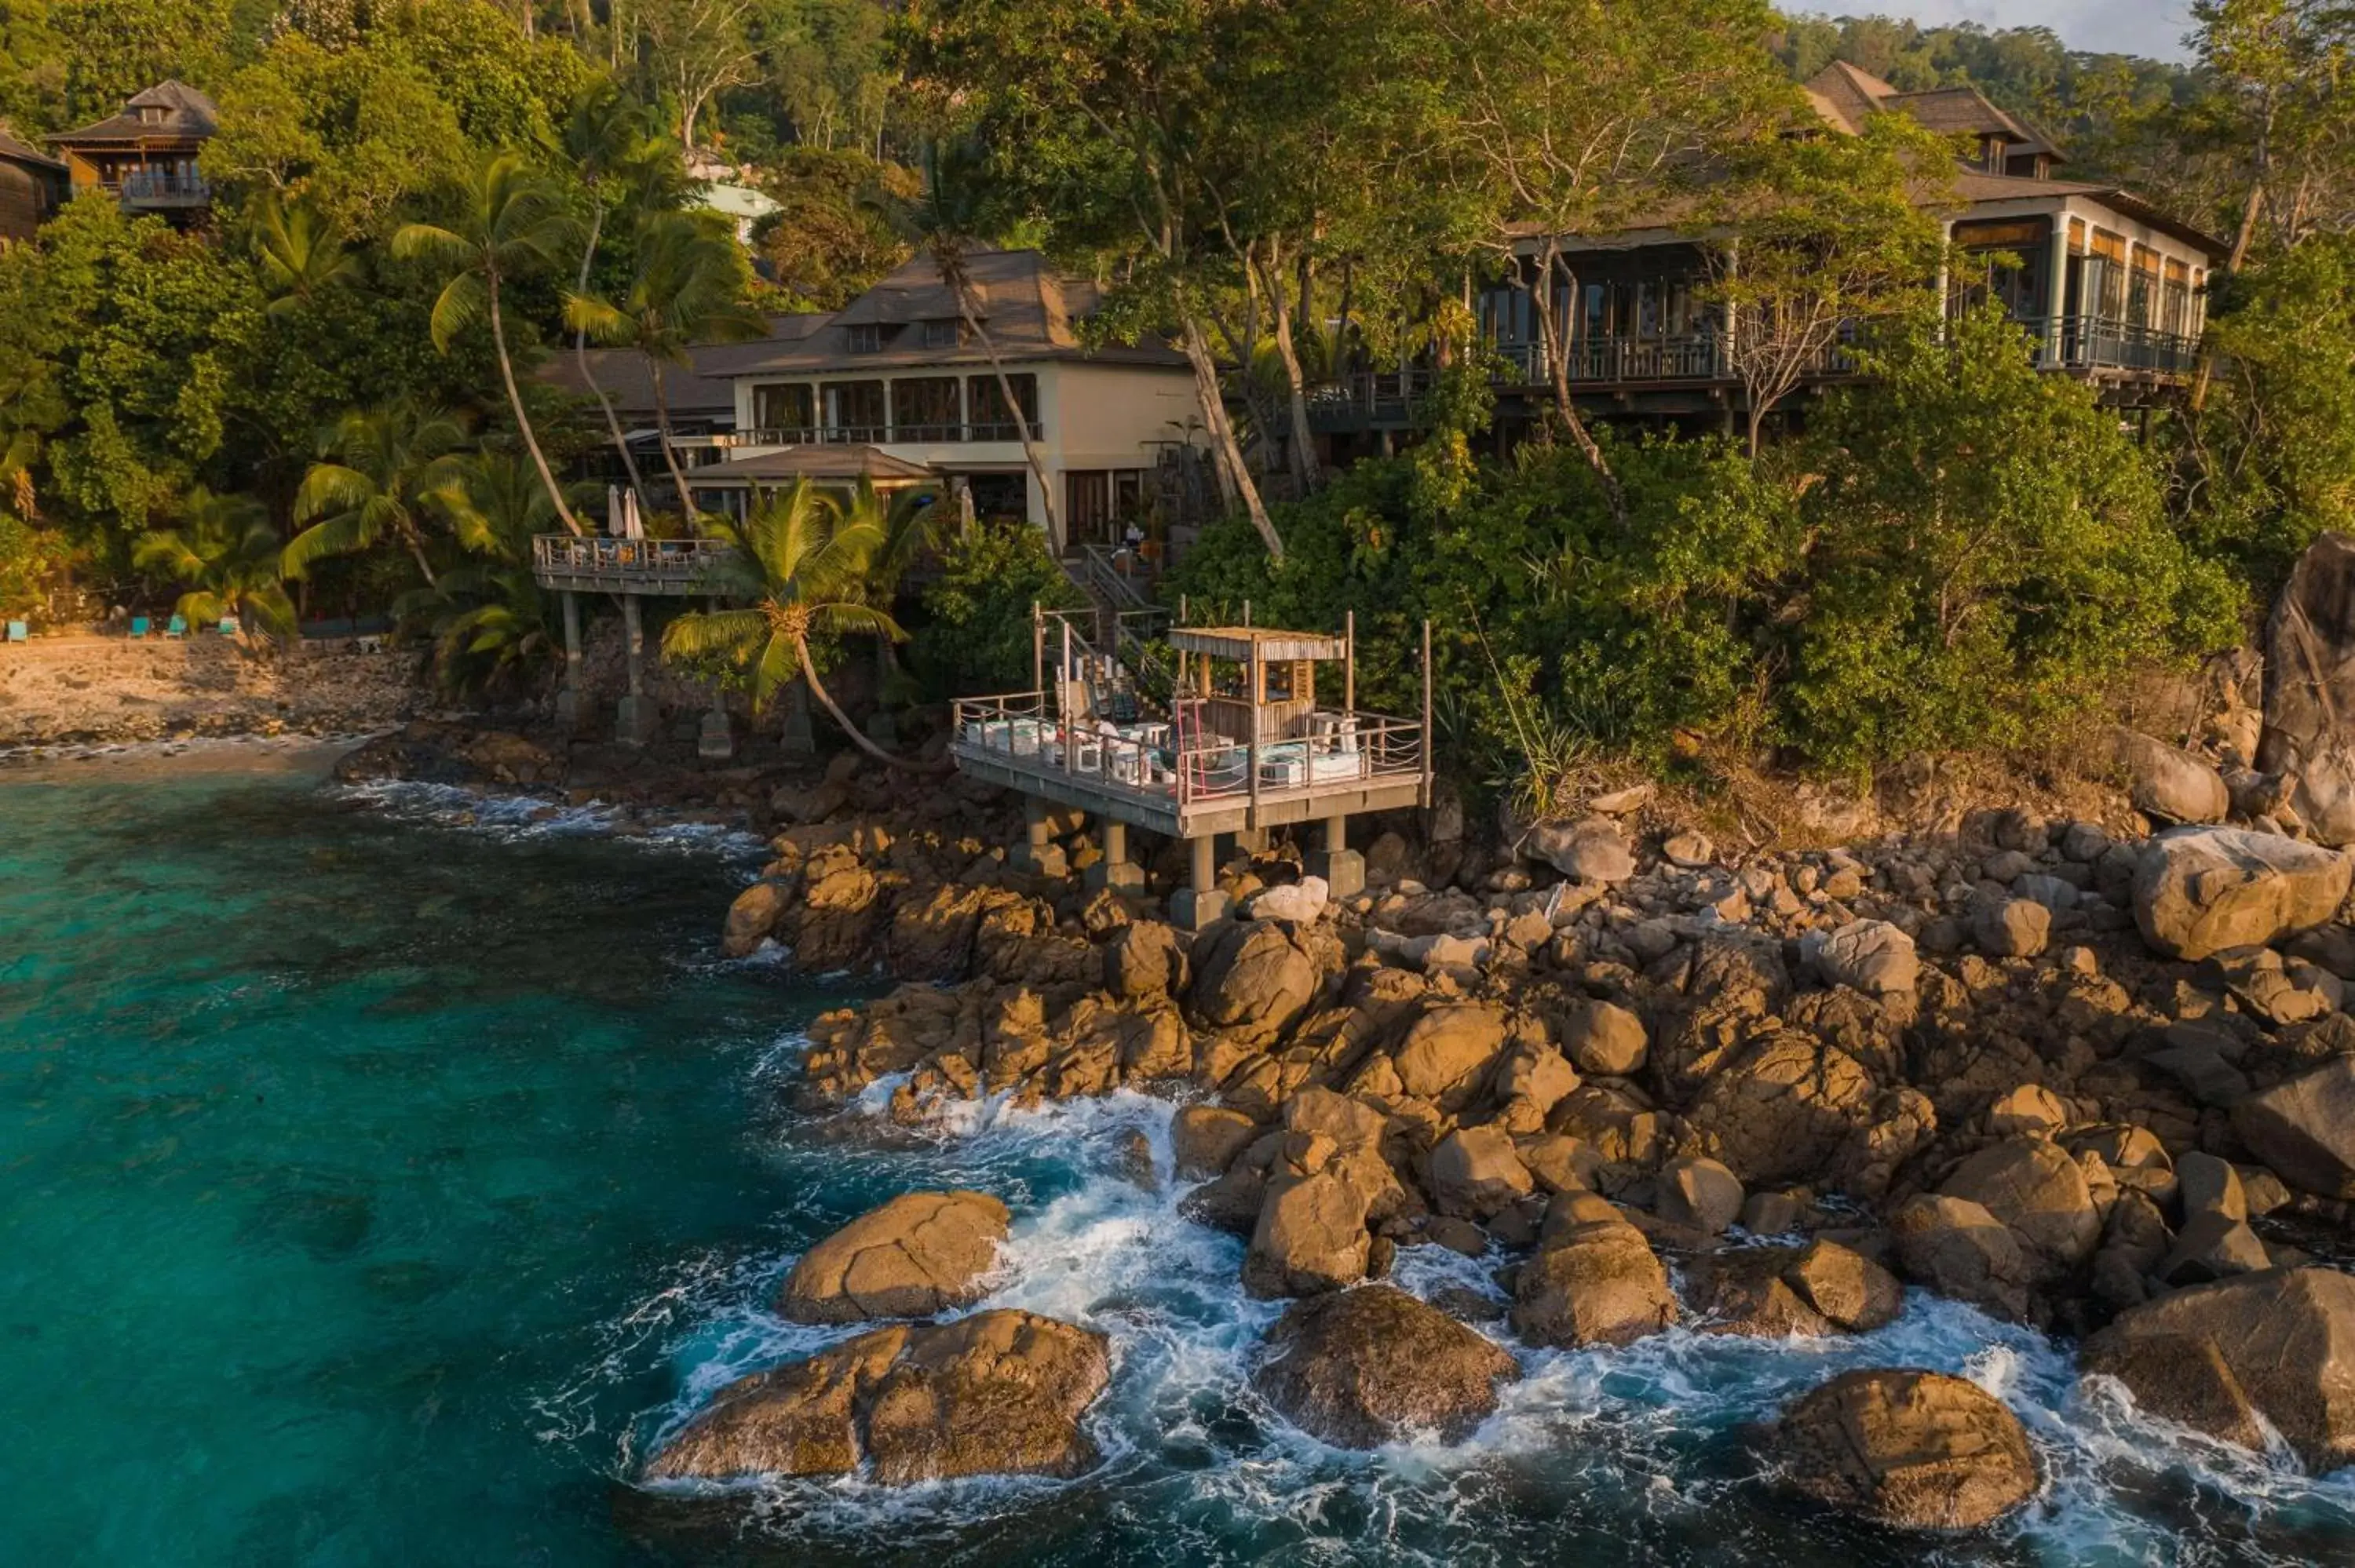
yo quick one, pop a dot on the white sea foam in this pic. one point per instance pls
(1610, 1448)
(517, 817)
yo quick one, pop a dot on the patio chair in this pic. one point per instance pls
(17, 631)
(176, 627)
(138, 626)
(228, 627)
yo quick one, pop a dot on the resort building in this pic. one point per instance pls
(899, 381)
(146, 156)
(32, 185)
(2112, 289)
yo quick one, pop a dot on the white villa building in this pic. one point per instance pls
(896, 386)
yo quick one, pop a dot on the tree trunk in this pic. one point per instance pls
(1556, 354)
(686, 507)
(581, 356)
(515, 402)
(1222, 437)
(1304, 443)
(2242, 241)
(857, 736)
(1031, 452)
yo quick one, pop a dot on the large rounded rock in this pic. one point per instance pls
(1592, 849)
(2171, 783)
(1955, 1247)
(920, 1254)
(1143, 960)
(1595, 1280)
(1784, 1110)
(1870, 956)
(2200, 891)
(1205, 1139)
(997, 1393)
(2305, 1130)
(2037, 1191)
(1781, 1291)
(2271, 1349)
(1311, 1236)
(753, 915)
(1364, 1367)
(1910, 1449)
(1444, 1055)
(1252, 981)
(1476, 1171)
(1603, 1038)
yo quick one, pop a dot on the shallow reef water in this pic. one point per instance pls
(387, 1171)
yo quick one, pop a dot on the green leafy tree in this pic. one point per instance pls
(1823, 236)
(388, 474)
(690, 285)
(227, 556)
(800, 581)
(1989, 552)
(833, 236)
(975, 633)
(301, 252)
(115, 48)
(511, 220)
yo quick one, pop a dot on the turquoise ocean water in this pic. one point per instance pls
(381, 1174)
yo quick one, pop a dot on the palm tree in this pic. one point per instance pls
(803, 569)
(227, 555)
(943, 223)
(689, 287)
(301, 251)
(488, 615)
(512, 219)
(385, 473)
(610, 140)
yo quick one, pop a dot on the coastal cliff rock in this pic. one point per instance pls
(2304, 1130)
(2272, 1348)
(999, 1392)
(1909, 1449)
(921, 1254)
(1808, 1291)
(2309, 715)
(1366, 1366)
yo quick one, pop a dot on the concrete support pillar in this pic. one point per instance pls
(1040, 856)
(567, 695)
(1343, 868)
(715, 739)
(2056, 294)
(1115, 870)
(1199, 903)
(639, 720)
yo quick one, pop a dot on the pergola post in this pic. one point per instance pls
(1199, 903)
(639, 721)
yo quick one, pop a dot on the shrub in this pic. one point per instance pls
(976, 633)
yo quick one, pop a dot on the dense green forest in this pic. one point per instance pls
(322, 401)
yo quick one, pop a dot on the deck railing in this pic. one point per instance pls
(1338, 752)
(2093, 343)
(675, 562)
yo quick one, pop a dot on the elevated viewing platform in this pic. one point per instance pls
(566, 563)
(1243, 745)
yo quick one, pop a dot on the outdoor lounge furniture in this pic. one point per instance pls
(176, 627)
(229, 626)
(17, 631)
(138, 626)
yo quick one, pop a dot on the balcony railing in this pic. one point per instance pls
(162, 187)
(625, 565)
(2090, 343)
(913, 433)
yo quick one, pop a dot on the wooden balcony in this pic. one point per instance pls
(667, 567)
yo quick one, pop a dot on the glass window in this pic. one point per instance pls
(947, 334)
(926, 409)
(854, 410)
(866, 338)
(785, 407)
(992, 420)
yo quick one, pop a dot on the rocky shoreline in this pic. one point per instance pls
(2089, 1076)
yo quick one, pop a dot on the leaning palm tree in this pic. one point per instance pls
(610, 140)
(301, 251)
(942, 223)
(801, 571)
(511, 219)
(385, 473)
(226, 554)
(689, 287)
(486, 617)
